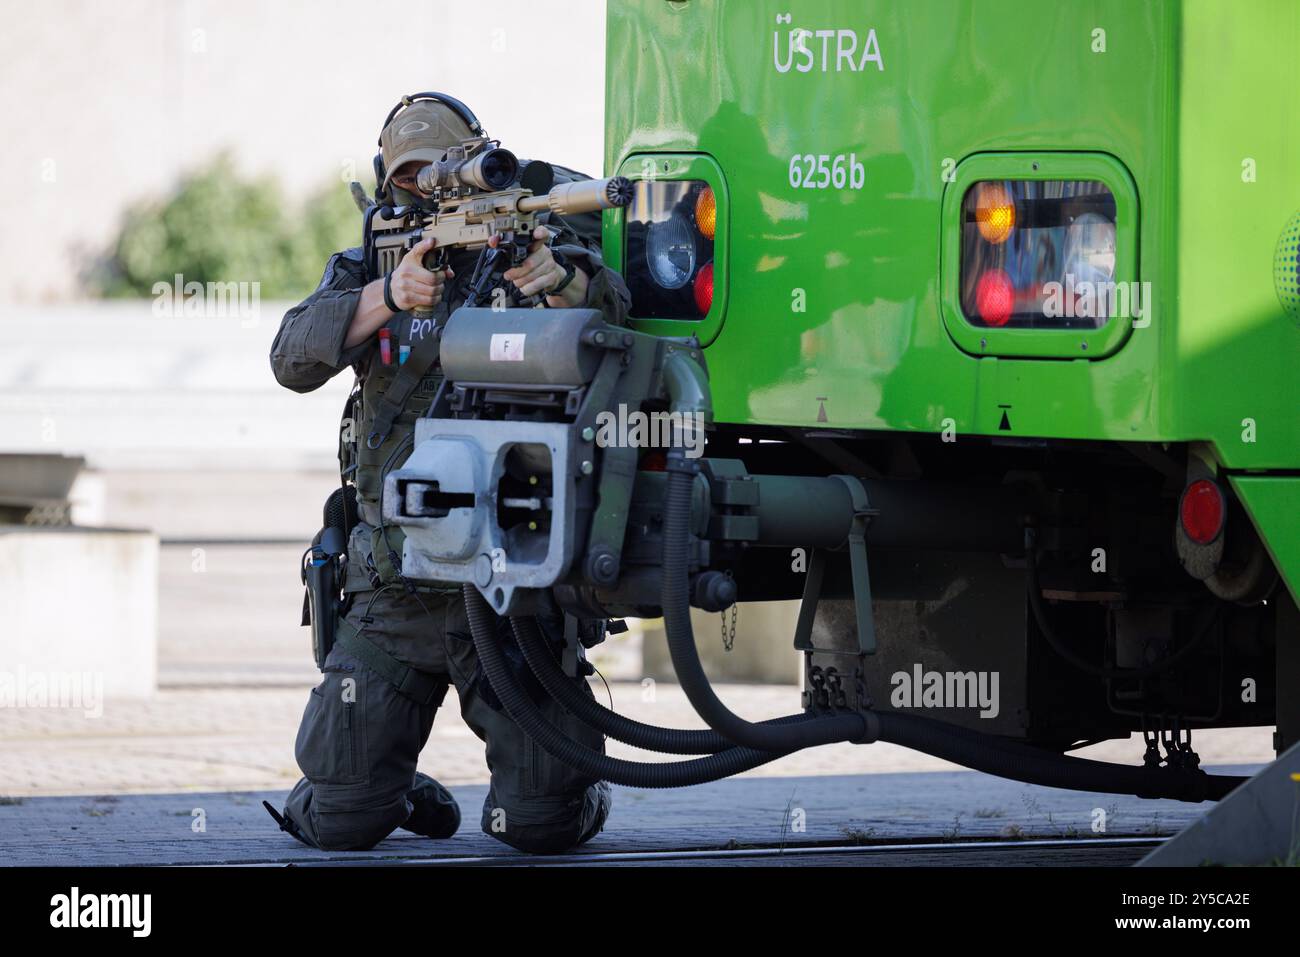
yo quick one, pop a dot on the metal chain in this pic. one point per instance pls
(729, 640)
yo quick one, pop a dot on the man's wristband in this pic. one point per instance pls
(388, 294)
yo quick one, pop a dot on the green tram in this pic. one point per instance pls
(975, 326)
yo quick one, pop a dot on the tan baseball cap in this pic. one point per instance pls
(423, 131)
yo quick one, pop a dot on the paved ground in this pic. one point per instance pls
(737, 813)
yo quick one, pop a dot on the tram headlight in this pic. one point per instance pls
(671, 227)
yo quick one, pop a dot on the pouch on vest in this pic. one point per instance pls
(373, 463)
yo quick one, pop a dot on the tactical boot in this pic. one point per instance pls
(436, 813)
(595, 810)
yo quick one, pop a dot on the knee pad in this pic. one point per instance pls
(544, 826)
(340, 828)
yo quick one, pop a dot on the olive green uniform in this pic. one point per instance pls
(361, 736)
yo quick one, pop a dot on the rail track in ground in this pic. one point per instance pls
(1062, 852)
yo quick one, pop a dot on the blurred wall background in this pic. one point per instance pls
(109, 103)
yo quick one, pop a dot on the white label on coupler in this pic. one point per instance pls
(507, 347)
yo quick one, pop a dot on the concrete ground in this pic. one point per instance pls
(782, 811)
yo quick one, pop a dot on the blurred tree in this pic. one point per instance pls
(218, 227)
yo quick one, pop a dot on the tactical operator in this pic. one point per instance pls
(398, 648)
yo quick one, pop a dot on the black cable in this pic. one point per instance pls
(520, 707)
(971, 749)
(609, 692)
(1034, 766)
(570, 695)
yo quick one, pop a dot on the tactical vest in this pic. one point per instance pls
(377, 433)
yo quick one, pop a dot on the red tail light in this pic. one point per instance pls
(1201, 511)
(995, 297)
(704, 289)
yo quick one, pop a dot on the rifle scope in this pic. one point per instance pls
(491, 170)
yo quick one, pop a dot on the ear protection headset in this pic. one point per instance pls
(455, 105)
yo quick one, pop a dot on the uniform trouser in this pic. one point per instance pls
(360, 739)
